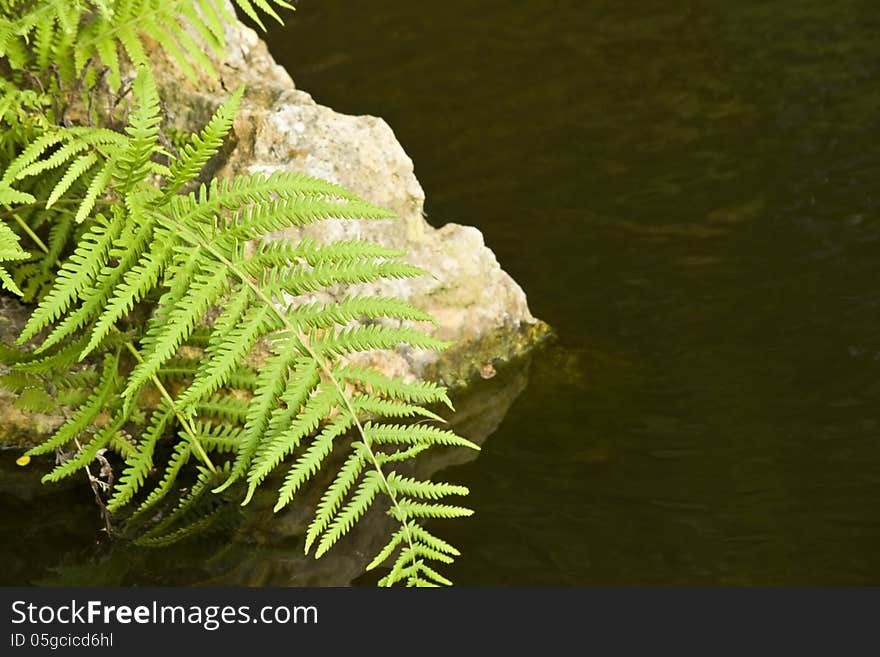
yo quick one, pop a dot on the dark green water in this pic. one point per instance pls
(689, 192)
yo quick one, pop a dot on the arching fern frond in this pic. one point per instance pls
(140, 464)
(76, 275)
(218, 347)
(103, 397)
(10, 251)
(201, 147)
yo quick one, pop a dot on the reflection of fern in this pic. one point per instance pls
(271, 378)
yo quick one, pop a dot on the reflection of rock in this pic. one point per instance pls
(278, 541)
(484, 405)
(261, 548)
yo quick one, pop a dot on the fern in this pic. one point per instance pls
(10, 250)
(75, 33)
(145, 266)
(141, 462)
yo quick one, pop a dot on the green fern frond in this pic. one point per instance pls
(220, 438)
(185, 369)
(385, 553)
(433, 575)
(371, 338)
(9, 196)
(75, 171)
(35, 400)
(208, 286)
(85, 455)
(47, 21)
(409, 567)
(391, 408)
(272, 452)
(126, 251)
(335, 494)
(135, 284)
(88, 412)
(237, 343)
(142, 131)
(414, 434)
(424, 537)
(297, 281)
(247, 6)
(60, 234)
(202, 147)
(139, 466)
(96, 187)
(76, 275)
(188, 285)
(182, 28)
(32, 153)
(409, 510)
(370, 487)
(18, 381)
(309, 463)
(196, 527)
(400, 455)
(356, 308)
(429, 553)
(71, 143)
(178, 460)
(63, 359)
(282, 253)
(227, 409)
(422, 489)
(303, 380)
(404, 566)
(10, 251)
(270, 385)
(425, 392)
(193, 514)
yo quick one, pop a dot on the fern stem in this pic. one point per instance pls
(244, 278)
(27, 229)
(194, 439)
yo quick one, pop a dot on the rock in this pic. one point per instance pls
(18, 428)
(477, 305)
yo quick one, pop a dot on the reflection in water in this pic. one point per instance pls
(687, 191)
(252, 547)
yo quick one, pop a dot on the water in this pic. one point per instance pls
(687, 191)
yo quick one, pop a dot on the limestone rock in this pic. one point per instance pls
(477, 305)
(18, 428)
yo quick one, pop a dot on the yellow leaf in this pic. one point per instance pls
(23, 460)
